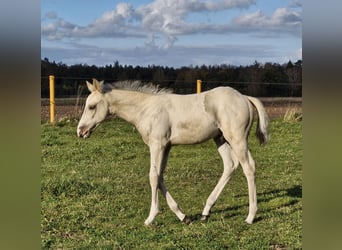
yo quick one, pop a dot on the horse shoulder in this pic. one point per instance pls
(154, 123)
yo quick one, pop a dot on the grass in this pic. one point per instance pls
(95, 193)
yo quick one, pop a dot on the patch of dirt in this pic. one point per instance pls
(61, 112)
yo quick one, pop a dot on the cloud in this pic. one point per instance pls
(164, 18)
(220, 5)
(280, 17)
(159, 24)
(282, 20)
(168, 19)
(58, 29)
(175, 56)
(111, 24)
(296, 4)
(117, 16)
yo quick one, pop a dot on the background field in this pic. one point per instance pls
(71, 108)
(95, 193)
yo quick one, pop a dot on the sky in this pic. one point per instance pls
(171, 33)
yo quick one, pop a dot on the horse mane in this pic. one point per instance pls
(137, 86)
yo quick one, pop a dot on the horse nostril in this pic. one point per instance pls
(80, 131)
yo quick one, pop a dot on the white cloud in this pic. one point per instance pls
(111, 24)
(296, 4)
(162, 17)
(116, 16)
(57, 30)
(175, 56)
(219, 5)
(167, 19)
(281, 20)
(160, 24)
(285, 16)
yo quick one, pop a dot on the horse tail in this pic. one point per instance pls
(263, 121)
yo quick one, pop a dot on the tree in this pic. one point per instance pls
(280, 79)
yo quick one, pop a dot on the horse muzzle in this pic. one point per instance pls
(83, 132)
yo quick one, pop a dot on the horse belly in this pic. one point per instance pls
(193, 132)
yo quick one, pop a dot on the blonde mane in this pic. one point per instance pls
(135, 85)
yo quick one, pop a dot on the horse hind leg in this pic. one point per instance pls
(246, 160)
(230, 163)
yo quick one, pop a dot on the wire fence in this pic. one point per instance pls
(75, 87)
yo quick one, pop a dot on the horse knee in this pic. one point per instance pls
(235, 160)
(153, 178)
(249, 171)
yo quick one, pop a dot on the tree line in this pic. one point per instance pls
(268, 80)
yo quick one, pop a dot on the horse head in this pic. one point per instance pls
(95, 111)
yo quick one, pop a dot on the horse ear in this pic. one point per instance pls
(91, 87)
(98, 85)
(101, 86)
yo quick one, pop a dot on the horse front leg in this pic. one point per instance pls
(170, 201)
(159, 155)
(156, 159)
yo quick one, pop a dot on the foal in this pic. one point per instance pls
(165, 119)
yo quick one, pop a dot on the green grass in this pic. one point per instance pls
(95, 193)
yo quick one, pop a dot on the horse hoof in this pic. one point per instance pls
(186, 220)
(249, 221)
(204, 217)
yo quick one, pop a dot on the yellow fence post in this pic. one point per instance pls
(199, 86)
(52, 98)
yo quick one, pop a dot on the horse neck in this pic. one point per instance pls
(127, 105)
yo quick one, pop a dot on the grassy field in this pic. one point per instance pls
(95, 193)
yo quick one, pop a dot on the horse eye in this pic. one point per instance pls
(92, 107)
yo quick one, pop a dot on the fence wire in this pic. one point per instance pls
(75, 87)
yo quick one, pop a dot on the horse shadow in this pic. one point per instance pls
(292, 196)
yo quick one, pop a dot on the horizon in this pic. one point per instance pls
(166, 66)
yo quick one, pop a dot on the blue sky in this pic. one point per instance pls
(171, 32)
